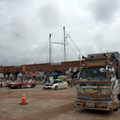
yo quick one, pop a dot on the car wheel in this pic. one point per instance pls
(9, 86)
(19, 86)
(56, 87)
(32, 86)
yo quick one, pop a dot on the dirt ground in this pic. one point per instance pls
(46, 105)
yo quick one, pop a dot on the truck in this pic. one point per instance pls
(98, 87)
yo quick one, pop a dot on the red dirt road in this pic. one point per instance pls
(46, 105)
(48, 114)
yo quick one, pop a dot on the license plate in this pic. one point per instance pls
(28, 86)
(89, 104)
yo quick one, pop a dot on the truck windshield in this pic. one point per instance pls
(93, 74)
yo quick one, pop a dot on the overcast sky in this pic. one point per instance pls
(25, 25)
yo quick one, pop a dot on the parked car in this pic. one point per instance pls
(8, 83)
(55, 84)
(62, 78)
(3, 83)
(23, 83)
(0, 83)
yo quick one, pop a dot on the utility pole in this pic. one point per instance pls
(49, 48)
(57, 43)
(64, 44)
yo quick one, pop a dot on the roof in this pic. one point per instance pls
(117, 54)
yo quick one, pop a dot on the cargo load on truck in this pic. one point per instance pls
(98, 86)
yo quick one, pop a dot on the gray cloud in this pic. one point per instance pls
(50, 15)
(104, 10)
(25, 25)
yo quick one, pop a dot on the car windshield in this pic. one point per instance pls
(54, 81)
(18, 80)
(61, 78)
(26, 80)
(93, 74)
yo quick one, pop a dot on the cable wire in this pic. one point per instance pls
(73, 50)
(56, 31)
(74, 44)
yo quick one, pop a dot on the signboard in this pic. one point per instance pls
(56, 63)
(95, 63)
(23, 68)
(18, 66)
(37, 73)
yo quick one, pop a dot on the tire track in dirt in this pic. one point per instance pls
(4, 119)
(50, 113)
(5, 94)
(41, 96)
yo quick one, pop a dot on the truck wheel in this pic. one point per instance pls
(19, 86)
(56, 87)
(119, 96)
(32, 86)
(116, 109)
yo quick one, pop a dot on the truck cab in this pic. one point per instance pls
(98, 87)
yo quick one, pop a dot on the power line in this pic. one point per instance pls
(58, 43)
(74, 44)
(65, 40)
(73, 51)
(56, 31)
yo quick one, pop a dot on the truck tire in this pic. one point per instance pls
(117, 107)
(119, 96)
(56, 87)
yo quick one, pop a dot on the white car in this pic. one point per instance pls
(55, 84)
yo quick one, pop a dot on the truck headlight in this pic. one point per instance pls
(80, 90)
(105, 92)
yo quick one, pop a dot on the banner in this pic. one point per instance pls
(37, 73)
(23, 68)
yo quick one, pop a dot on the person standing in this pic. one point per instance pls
(44, 79)
(72, 80)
